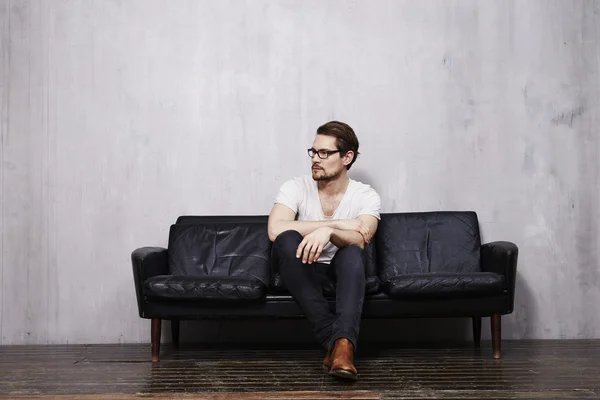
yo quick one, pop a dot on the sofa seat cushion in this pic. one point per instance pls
(204, 287)
(444, 284)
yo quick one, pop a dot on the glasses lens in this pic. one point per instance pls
(323, 154)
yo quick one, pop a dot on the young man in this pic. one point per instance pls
(336, 217)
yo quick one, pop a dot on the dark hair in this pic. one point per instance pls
(345, 138)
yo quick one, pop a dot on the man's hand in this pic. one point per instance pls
(355, 225)
(312, 245)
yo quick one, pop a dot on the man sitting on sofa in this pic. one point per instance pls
(336, 217)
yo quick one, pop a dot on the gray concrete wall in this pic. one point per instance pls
(118, 116)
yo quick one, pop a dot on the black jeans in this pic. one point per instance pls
(304, 282)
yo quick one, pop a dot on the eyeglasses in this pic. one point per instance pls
(323, 154)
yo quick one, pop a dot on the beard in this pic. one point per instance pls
(321, 175)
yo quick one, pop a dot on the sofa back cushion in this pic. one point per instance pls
(427, 242)
(219, 219)
(207, 247)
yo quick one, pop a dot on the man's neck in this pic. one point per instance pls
(334, 187)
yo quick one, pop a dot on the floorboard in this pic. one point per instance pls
(565, 369)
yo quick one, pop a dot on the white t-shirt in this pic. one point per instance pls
(301, 195)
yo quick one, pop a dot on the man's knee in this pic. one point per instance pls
(352, 252)
(351, 259)
(287, 242)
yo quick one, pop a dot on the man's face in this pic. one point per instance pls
(331, 167)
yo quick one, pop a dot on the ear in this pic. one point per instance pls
(348, 157)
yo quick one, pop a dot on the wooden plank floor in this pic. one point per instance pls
(565, 369)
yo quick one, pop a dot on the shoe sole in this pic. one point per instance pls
(343, 374)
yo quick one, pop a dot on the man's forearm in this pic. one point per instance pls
(303, 227)
(342, 238)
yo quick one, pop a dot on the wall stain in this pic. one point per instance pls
(568, 117)
(528, 158)
(532, 103)
(447, 62)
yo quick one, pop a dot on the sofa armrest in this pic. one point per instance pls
(147, 262)
(501, 258)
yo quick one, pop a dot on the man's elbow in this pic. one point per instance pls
(272, 236)
(273, 231)
(359, 240)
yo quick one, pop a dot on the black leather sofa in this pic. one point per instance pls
(424, 264)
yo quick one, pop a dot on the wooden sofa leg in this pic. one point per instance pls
(175, 332)
(155, 333)
(477, 331)
(496, 334)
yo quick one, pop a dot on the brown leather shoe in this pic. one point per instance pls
(342, 364)
(327, 360)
